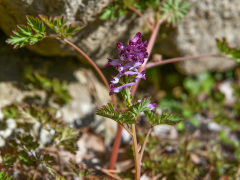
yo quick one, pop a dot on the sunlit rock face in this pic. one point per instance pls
(96, 39)
(196, 35)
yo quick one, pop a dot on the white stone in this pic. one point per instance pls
(2, 143)
(144, 177)
(126, 137)
(166, 130)
(6, 133)
(11, 123)
(226, 88)
(45, 137)
(212, 126)
(1, 114)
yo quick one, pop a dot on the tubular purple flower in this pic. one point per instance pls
(113, 62)
(129, 59)
(118, 89)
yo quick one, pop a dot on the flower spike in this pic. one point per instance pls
(129, 59)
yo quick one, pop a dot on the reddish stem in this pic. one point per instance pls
(92, 63)
(149, 50)
(172, 60)
(142, 16)
(144, 144)
(116, 145)
(119, 130)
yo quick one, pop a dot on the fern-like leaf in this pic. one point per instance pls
(67, 137)
(139, 107)
(4, 175)
(164, 118)
(27, 35)
(175, 10)
(36, 24)
(115, 9)
(109, 111)
(58, 24)
(224, 47)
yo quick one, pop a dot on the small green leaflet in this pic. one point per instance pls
(4, 175)
(58, 24)
(137, 108)
(27, 35)
(164, 118)
(109, 111)
(8, 161)
(36, 24)
(35, 30)
(224, 47)
(175, 9)
(126, 94)
(25, 158)
(114, 10)
(67, 137)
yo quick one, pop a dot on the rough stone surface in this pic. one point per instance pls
(96, 39)
(208, 20)
(86, 90)
(196, 35)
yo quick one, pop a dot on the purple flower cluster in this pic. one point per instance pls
(129, 59)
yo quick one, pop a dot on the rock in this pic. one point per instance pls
(126, 137)
(196, 35)
(1, 115)
(86, 90)
(97, 39)
(8, 94)
(226, 88)
(145, 177)
(11, 123)
(2, 142)
(212, 126)
(89, 141)
(166, 130)
(45, 137)
(6, 133)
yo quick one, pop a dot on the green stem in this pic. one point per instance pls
(136, 154)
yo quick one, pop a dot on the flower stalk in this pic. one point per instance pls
(130, 58)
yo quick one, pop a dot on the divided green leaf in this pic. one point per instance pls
(25, 158)
(224, 47)
(8, 161)
(36, 25)
(4, 175)
(114, 10)
(109, 111)
(126, 94)
(58, 25)
(175, 10)
(67, 137)
(36, 30)
(27, 35)
(139, 107)
(164, 118)
(55, 89)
